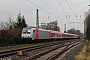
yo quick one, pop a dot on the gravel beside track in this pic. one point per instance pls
(71, 54)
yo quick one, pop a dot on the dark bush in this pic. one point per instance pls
(3, 40)
(10, 41)
(17, 40)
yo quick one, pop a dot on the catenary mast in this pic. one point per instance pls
(37, 19)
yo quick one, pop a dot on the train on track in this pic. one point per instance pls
(33, 33)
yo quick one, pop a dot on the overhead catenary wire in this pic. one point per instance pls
(76, 13)
(64, 12)
(55, 11)
(44, 10)
(73, 5)
(62, 9)
(61, 6)
(11, 13)
(46, 6)
(71, 9)
(74, 9)
(6, 12)
(72, 12)
(25, 11)
(50, 7)
(16, 8)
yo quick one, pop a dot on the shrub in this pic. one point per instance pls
(3, 40)
(17, 40)
(10, 41)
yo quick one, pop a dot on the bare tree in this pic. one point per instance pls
(50, 26)
(7, 24)
(73, 31)
(2, 25)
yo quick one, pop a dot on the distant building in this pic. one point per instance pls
(43, 25)
(81, 35)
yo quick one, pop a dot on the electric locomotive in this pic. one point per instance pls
(33, 33)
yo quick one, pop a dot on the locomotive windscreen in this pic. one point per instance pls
(26, 30)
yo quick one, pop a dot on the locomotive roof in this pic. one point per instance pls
(29, 27)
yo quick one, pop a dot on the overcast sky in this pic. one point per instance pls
(64, 11)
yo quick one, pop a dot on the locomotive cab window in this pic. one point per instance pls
(26, 30)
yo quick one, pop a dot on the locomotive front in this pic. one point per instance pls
(26, 33)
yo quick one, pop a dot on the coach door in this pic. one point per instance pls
(34, 34)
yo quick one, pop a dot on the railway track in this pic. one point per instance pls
(44, 49)
(13, 52)
(53, 53)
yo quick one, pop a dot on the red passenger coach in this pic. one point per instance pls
(60, 35)
(55, 34)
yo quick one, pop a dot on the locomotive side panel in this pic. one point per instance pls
(44, 34)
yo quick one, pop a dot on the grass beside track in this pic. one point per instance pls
(15, 48)
(85, 53)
